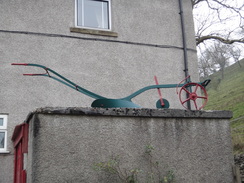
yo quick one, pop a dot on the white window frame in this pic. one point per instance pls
(3, 128)
(109, 16)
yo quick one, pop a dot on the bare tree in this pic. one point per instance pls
(216, 58)
(205, 65)
(211, 17)
(219, 27)
(220, 55)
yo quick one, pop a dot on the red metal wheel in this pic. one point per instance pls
(194, 92)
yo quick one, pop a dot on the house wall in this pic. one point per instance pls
(39, 32)
(65, 143)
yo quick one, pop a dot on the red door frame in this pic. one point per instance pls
(20, 141)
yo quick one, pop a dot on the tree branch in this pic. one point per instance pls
(223, 40)
(195, 2)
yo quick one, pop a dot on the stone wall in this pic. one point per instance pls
(239, 161)
(65, 143)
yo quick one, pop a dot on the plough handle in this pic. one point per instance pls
(60, 79)
(19, 64)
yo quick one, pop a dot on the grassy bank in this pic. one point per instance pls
(228, 94)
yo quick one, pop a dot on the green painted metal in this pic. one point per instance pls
(114, 103)
(62, 80)
(138, 92)
(165, 106)
(100, 100)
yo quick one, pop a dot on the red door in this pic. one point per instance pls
(18, 163)
(20, 139)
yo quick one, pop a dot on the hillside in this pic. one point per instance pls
(228, 94)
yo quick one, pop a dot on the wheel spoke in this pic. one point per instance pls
(186, 90)
(186, 100)
(195, 104)
(196, 88)
(202, 97)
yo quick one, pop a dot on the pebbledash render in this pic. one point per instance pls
(62, 144)
(110, 47)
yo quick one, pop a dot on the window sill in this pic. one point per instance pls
(93, 32)
(4, 152)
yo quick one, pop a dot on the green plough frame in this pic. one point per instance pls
(104, 102)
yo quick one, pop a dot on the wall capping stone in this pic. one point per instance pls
(131, 112)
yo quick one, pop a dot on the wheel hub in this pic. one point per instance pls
(193, 96)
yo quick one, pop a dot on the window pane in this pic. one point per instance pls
(79, 12)
(93, 13)
(1, 121)
(105, 15)
(2, 139)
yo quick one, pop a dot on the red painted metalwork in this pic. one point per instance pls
(193, 95)
(24, 176)
(20, 140)
(19, 64)
(182, 82)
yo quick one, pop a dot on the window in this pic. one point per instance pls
(93, 14)
(3, 133)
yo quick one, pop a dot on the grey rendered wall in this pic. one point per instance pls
(36, 32)
(64, 144)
